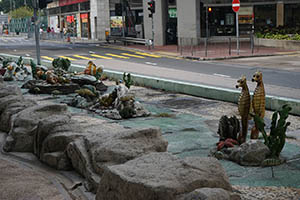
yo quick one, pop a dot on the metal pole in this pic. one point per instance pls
(207, 32)
(252, 43)
(152, 33)
(37, 35)
(123, 18)
(230, 46)
(237, 34)
(205, 47)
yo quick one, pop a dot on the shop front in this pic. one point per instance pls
(70, 18)
(85, 25)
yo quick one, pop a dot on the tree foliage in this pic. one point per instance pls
(21, 12)
(7, 5)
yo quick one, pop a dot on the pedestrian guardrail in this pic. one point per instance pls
(127, 40)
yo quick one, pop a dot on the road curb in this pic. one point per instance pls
(210, 92)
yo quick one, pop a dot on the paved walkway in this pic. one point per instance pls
(215, 50)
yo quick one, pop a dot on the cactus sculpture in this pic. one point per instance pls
(33, 68)
(20, 62)
(243, 107)
(276, 140)
(258, 101)
(61, 63)
(127, 80)
(228, 131)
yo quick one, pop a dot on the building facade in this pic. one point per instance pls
(172, 19)
(70, 16)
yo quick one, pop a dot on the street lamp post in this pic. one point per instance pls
(36, 31)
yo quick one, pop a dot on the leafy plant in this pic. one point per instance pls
(127, 80)
(61, 63)
(33, 68)
(20, 62)
(6, 61)
(276, 140)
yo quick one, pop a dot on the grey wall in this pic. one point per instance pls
(188, 16)
(160, 18)
(99, 9)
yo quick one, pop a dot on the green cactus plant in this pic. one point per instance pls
(33, 68)
(20, 61)
(6, 61)
(61, 63)
(276, 140)
(127, 80)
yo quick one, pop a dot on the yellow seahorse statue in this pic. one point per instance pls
(243, 107)
(258, 101)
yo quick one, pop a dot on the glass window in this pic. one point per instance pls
(85, 6)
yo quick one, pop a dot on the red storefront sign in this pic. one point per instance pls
(70, 18)
(69, 2)
(84, 15)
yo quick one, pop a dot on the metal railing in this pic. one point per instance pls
(128, 40)
(216, 46)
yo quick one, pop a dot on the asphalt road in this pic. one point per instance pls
(279, 71)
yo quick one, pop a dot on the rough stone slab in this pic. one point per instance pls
(57, 160)
(207, 194)
(250, 153)
(118, 146)
(160, 176)
(6, 90)
(25, 125)
(81, 162)
(45, 128)
(9, 99)
(10, 110)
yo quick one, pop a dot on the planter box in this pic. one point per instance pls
(283, 44)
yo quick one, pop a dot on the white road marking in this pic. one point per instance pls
(221, 75)
(150, 63)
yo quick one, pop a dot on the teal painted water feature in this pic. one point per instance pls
(188, 135)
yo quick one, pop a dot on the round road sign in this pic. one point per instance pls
(236, 5)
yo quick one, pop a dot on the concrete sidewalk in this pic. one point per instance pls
(215, 50)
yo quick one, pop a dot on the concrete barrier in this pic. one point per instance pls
(210, 92)
(283, 44)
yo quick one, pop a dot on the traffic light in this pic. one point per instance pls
(151, 7)
(43, 3)
(210, 9)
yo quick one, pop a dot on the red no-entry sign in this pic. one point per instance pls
(236, 5)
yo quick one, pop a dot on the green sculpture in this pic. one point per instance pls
(228, 131)
(61, 63)
(127, 80)
(33, 68)
(6, 61)
(20, 62)
(276, 140)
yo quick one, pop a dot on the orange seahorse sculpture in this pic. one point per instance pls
(243, 107)
(258, 101)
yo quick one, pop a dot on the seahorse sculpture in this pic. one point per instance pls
(258, 101)
(243, 107)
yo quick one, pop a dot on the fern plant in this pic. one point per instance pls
(275, 141)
